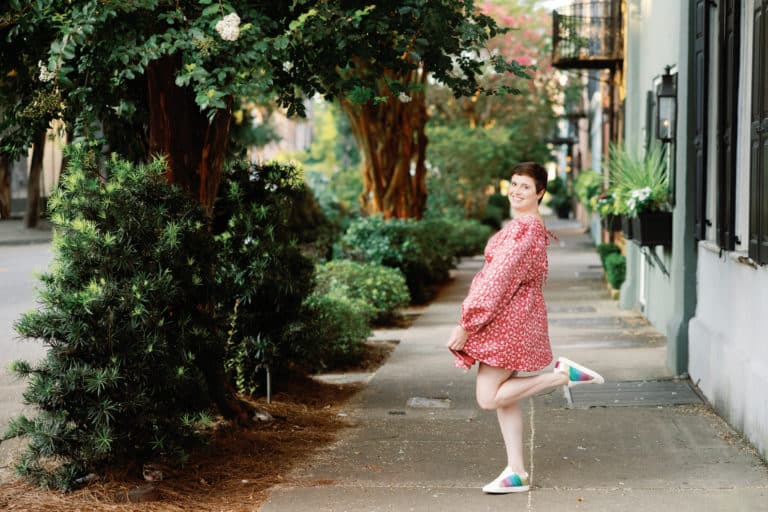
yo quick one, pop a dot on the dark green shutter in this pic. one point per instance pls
(699, 104)
(650, 119)
(728, 82)
(758, 182)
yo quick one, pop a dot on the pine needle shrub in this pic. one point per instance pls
(120, 312)
(261, 272)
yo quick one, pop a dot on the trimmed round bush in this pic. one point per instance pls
(615, 269)
(605, 249)
(468, 236)
(419, 249)
(332, 331)
(383, 288)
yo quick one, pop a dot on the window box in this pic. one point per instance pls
(652, 228)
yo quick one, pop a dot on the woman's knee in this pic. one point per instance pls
(486, 401)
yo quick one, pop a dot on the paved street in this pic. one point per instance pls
(18, 264)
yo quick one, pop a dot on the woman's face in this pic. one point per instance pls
(522, 194)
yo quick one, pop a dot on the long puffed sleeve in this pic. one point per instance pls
(500, 277)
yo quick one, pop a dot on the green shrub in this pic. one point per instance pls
(383, 288)
(420, 249)
(587, 186)
(467, 236)
(615, 269)
(332, 330)
(605, 249)
(120, 313)
(261, 269)
(496, 211)
(559, 197)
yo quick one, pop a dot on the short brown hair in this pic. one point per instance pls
(535, 171)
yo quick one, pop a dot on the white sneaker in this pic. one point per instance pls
(508, 481)
(576, 373)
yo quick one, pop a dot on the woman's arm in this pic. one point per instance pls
(505, 272)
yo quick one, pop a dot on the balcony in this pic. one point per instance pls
(588, 35)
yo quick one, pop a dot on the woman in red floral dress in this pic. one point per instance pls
(504, 323)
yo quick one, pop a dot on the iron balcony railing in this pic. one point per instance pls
(588, 35)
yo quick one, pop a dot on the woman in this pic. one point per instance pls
(504, 323)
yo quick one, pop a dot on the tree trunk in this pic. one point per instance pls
(5, 186)
(195, 148)
(32, 214)
(393, 146)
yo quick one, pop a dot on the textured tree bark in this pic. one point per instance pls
(393, 145)
(5, 186)
(195, 148)
(32, 214)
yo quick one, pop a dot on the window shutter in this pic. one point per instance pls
(699, 74)
(650, 119)
(728, 80)
(758, 182)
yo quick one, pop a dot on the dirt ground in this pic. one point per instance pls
(232, 473)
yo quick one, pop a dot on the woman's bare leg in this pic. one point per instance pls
(497, 387)
(511, 424)
(501, 390)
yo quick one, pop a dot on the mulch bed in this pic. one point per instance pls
(235, 471)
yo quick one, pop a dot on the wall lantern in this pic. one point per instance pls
(666, 108)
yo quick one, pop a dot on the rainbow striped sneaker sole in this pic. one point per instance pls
(576, 373)
(507, 482)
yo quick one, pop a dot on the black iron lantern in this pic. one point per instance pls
(666, 108)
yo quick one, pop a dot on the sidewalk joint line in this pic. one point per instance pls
(533, 436)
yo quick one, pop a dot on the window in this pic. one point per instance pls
(758, 176)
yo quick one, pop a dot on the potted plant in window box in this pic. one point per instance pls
(643, 184)
(606, 207)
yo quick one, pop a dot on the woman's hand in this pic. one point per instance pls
(458, 338)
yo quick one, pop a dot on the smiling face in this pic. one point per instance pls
(523, 196)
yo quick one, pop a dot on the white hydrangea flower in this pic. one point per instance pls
(287, 66)
(404, 98)
(229, 27)
(45, 74)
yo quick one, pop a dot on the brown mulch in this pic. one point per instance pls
(235, 471)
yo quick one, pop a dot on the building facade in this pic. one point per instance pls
(708, 290)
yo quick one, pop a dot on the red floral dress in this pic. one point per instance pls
(504, 313)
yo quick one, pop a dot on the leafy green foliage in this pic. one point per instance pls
(615, 269)
(497, 211)
(416, 248)
(424, 251)
(587, 185)
(262, 276)
(605, 249)
(120, 312)
(383, 288)
(559, 197)
(97, 55)
(332, 330)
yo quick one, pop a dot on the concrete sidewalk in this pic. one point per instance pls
(13, 232)
(618, 448)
